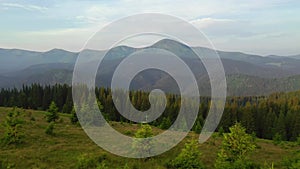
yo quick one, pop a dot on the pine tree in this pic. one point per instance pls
(143, 147)
(165, 124)
(12, 124)
(236, 147)
(73, 118)
(189, 157)
(247, 119)
(52, 114)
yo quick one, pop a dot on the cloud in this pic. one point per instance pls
(27, 7)
(209, 22)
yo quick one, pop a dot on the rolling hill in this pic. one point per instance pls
(246, 74)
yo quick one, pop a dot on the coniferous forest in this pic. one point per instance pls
(268, 117)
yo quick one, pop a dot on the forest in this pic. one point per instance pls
(268, 117)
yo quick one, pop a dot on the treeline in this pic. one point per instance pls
(277, 115)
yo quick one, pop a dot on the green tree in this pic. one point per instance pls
(12, 124)
(73, 118)
(50, 129)
(52, 114)
(165, 124)
(277, 139)
(247, 118)
(143, 146)
(236, 147)
(189, 157)
(280, 126)
(197, 127)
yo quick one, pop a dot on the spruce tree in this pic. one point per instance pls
(235, 149)
(52, 114)
(189, 157)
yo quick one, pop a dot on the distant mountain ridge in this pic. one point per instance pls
(246, 74)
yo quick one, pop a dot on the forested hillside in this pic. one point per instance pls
(276, 115)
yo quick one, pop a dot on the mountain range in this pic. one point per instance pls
(246, 74)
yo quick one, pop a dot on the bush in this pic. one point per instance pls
(50, 129)
(240, 164)
(84, 161)
(128, 133)
(5, 165)
(221, 131)
(102, 165)
(189, 157)
(292, 162)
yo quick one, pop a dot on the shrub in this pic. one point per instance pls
(86, 162)
(292, 162)
(102, 165)
(128, 133)
(221, 131)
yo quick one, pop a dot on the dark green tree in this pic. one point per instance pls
(165, 124)
(74, 118)
(52, 114)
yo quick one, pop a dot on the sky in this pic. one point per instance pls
(261, 27)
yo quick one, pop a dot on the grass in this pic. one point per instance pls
(70, 143)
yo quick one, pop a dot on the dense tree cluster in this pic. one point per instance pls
(266, 117)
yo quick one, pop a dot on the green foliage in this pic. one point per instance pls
(143, 146)
(268, 166)
(165, 124)
(221, 131)
(50, 129)
(266, 116)
(292, 162)
(52, 114)
(102, 165)
(277, 139)
(197, 127)
(12, 125)
(235, 149)
(189, 157)
(6, 165)
(298, 140)
(85, 161)
(74, 118)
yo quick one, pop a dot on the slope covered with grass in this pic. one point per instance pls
(70, 147)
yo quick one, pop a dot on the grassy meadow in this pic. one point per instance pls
(69, 147)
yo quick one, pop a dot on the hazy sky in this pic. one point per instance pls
(257, 26)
